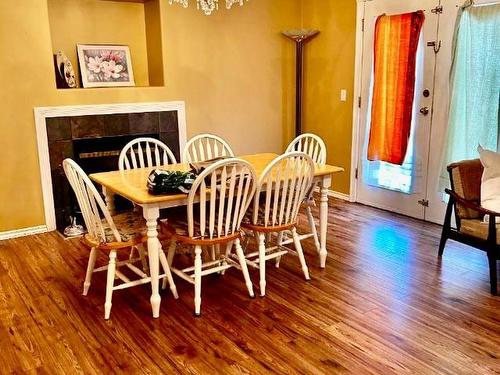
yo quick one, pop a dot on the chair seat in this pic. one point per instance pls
(130, 226)
(176, 225)
(477, 228)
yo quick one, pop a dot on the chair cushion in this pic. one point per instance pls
(466, 182)
(477, 228)
(130, 225)
(490, 183)
(177, 223)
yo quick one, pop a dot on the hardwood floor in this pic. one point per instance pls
(384, 304)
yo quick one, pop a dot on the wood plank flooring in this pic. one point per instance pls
(384, 304)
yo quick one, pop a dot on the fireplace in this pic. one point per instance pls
(93, 136)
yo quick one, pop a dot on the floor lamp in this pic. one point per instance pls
(299, 37)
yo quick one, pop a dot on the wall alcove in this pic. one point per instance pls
(135, 23)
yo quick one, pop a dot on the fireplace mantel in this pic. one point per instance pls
(42, 113)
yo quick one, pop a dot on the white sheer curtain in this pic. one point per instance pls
(475, 85)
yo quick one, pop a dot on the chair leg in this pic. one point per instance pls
(229, 247)
(144, 261)
(168, 275)
(90, 270)
(492, 261)
(298, 248)
(280, 241)
(132, 251)
(446, 227)
(244, 268)
(314, 232)
(171, 252)
(170, 258)
(110, 283)
(262, 263)
(212, 252)
(442, 242)
(197, 281)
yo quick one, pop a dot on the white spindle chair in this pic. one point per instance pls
(315, 147)
(145, 153)
(205, 147)
(217, 203)
(310, 144)
(280, 191)
(110, 234)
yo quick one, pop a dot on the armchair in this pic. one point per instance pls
(471, 229)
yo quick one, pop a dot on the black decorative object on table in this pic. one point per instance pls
(170, 182)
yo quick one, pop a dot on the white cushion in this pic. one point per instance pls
(490, 183)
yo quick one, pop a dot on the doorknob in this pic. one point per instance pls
(424, 111)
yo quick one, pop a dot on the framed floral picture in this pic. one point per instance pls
(105, 65)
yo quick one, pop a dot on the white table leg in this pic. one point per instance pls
(326, 182)
(151, 214)
(110, 200)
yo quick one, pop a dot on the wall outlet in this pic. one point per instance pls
(343, 95)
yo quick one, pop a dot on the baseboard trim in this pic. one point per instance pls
(336, 194)
(23, 232)
(339, 195)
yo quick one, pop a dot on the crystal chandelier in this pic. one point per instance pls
(208, 6)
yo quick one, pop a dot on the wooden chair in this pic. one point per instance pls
(205, 147)
(110, 234)
(145, 153)
(315, 147)
(217, 203)
(465, 178)
(280, 191)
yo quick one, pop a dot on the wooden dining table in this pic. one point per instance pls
(131, 184)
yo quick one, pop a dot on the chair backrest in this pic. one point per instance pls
(224, 191)
(205, 147)
(465, 180)
(281, 189)
(144, 153)
(311, 145)
(90, 202)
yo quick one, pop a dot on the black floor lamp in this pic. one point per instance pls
(299, 36)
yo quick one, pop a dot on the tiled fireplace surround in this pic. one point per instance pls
(94, 142)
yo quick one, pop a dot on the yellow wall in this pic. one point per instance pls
(233, 69)
(329, 67)
(97, 22)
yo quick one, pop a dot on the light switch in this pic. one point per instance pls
(343, 95)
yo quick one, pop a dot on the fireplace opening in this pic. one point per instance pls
(95, 143)
(101, 154)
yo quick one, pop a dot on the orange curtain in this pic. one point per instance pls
(395, 54)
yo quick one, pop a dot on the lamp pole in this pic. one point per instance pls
(299, 36)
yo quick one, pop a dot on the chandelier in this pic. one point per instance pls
(208, 6)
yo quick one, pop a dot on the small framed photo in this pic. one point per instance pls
(105, 65)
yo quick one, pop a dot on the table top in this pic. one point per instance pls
(131, 184)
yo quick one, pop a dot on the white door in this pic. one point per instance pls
(401, 189)
(437, 205)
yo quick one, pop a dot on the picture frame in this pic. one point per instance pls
(105, 65)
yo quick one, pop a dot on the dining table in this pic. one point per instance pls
(131, 185)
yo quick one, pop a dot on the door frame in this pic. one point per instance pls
(358, 86)
(438, 114)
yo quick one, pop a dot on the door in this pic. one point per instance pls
(437, 199)
(400, 189)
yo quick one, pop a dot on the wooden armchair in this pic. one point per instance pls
(465, 178)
